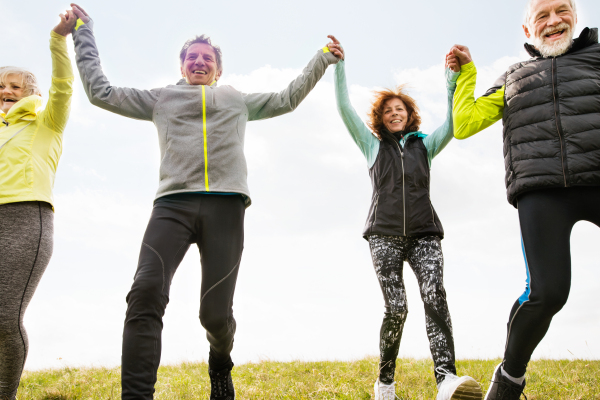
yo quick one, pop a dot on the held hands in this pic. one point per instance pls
(80, 13)
(458, 56)
(66, 24)
(335, 47)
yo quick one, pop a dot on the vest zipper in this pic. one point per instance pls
(403, 192)
(556, 114)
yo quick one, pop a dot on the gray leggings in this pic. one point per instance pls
(26, 230)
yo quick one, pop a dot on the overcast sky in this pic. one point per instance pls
(306, 287)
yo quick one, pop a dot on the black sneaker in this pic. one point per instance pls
(221, 384)
(502, 388)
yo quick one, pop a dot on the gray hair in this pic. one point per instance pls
(528, 10)
(28, 79)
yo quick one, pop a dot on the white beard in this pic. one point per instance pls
(558, 47)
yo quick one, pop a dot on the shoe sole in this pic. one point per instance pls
(469, 390)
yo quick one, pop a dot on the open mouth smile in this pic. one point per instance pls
(199, 72)
(555, 34)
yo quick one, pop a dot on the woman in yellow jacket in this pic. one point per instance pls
(30, 147)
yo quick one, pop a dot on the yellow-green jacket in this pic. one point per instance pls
(28, 160)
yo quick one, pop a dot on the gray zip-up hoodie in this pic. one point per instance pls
(201, 129)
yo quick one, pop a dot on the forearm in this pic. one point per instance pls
(472, 116)
(438, 140)
(56, 113)
(362, 136)
(133, 103)
(269, 105)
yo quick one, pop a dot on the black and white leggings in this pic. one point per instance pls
(26, 235)
(424, 255)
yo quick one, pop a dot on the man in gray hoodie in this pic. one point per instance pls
(202, 194)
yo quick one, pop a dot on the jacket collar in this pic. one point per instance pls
(25, 109)
(183, 81)
(587, 38)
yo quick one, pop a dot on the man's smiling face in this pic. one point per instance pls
(11, 91)
(200, 65)
(550, 26)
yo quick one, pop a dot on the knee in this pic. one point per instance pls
(214, 322)
(9, 325)
(146, 295)
(551, 300)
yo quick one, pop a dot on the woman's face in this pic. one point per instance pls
(395, 115)
(11, 91)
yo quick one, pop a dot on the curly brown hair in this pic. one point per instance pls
(376, 114)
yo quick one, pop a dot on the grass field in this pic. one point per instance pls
(547, 379)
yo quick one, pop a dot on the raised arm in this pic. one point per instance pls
(472, 116)
(132, 103)
(362, 136)
(436, 141)
(56, 113)
(269, 105)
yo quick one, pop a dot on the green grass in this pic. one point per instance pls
(547, 380)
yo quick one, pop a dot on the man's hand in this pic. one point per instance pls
(452, 62)
(80, 13)
(66, 24)
(335, 47)
(462, 53)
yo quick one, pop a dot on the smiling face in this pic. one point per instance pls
(395, 115)
(550, 26)
(11, 91)
(200, 65)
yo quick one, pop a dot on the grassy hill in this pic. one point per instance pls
(547, 379)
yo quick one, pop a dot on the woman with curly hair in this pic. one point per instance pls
(403, 226)
(30, 147)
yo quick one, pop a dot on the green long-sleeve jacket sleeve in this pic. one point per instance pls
(472, 116)
(364, 138)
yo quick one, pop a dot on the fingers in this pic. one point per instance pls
(333, 39)
(76, 7)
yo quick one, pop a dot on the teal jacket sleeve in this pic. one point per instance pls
(362, 136)
(436, 141)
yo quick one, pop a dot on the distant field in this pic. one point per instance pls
(547, 379)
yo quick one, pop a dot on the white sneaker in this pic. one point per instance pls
(385, 392)
(455, 388)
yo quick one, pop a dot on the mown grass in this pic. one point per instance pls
(546, 379)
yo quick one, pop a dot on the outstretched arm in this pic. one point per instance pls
(56, 113)
(269, 105)
(132, 103)
(436, 141)
(472, 116)
(362, 136)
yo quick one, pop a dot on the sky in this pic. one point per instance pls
(306, 288)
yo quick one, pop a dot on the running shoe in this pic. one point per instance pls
(221, 385)
(385, 392)
(458, 388)
(502, 388)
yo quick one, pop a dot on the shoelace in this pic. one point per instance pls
(387, 392)
(510, 389)
(219, 382)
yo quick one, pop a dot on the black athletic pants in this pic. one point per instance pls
(216, 224)
(547, 217)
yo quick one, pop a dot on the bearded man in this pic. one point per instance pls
(550, 108)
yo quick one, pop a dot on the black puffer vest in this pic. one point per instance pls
(552, 119)
(400, 205)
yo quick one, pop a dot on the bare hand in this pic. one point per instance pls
(335, 47)
(452, 62)
(66, 24)
(80, 13)
(462, 53)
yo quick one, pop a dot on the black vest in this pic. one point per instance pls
(552, 119)
(400, 205)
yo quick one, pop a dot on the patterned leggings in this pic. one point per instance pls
(424, 255)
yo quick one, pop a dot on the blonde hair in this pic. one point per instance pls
(28, 79)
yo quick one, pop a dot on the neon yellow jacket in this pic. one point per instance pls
(28, 160)
(470, 115)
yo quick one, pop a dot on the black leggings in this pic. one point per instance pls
(424, 255)
(547, 217)
(216, 224)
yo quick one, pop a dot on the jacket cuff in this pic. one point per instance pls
(331, 59)
(467, 67)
